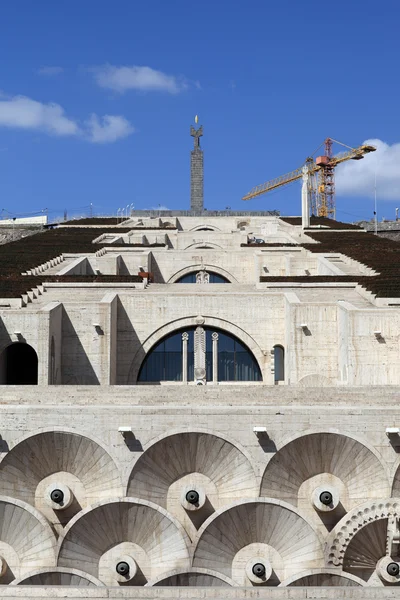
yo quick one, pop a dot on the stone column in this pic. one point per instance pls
(185, 338)
(215, 356)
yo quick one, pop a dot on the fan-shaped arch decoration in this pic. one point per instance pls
(193, 578)
(177, 455)
(153, 538)
(323, 578)
(396, 484)
(59, 576)
(26, 539)
(358, 467)
(360, 539)
(38, 456)
(269, 527)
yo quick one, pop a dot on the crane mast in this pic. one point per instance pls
(321, 178)
(326, 183)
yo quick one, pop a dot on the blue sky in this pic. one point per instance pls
(97, 99)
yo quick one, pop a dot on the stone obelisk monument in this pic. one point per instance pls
(196, 171)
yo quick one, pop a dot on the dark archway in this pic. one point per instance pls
(19, 365)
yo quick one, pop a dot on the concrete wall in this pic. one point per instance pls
(69, 436)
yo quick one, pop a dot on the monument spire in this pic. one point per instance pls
(196, 171)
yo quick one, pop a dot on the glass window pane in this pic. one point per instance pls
(188, 278)
(215, 278)
(279, 363)
(173, 366)
(174, 343)
(225, 343)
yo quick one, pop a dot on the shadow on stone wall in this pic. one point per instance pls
(76, 367)
(128, 346)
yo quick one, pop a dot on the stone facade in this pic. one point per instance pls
(283, 487)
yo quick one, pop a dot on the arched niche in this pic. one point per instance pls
(209, 464)
(325, 454)
(188, 322)
(205, 245)
(18, 365)
(63, 457)
(206, 267)
(26, 540)
(323, 578)
(264, 529)
(192, 578)
(175, 356)
(205, 227)
(103, 534)
(59, 576)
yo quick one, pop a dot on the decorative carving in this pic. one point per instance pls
(202, 277)
(200, 354)
(354, 522)
(196, 134)
(393, 537)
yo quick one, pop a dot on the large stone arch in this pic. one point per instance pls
(205, 245)
(193, 578)
(196, 460)
(395, 479)
(27, 540)
(59, 576)
(193, 321)
(312, 453)
(323, 578)
(215, 432)
(63, 456)
(129, 526)
(198, 267)
(205, 226)
(253, 528)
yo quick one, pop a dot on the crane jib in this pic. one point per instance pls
(326, 165)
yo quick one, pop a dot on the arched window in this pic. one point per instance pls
(279, 363)
(19, 365)
(213, 355)
(202, 275)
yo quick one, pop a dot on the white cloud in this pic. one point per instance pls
(24, 113)
(145, 79)
(21, 112)
(50, 71)
(159, 207)
(357, 178)
(109, 128)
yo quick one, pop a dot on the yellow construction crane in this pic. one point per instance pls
(321, 177)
